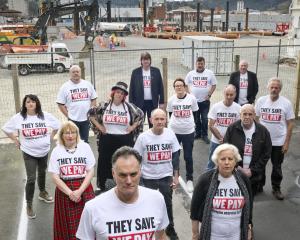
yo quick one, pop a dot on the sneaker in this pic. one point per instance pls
(171, 233)
(30, 213)
(190, 186)
(277, 194)
(206, 140)
(44, 196)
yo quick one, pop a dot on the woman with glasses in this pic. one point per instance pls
(30, 129)
(72, 166)
(117, 123)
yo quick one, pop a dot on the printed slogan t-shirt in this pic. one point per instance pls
(34, 133)
(71, 165)
(182, 119)
(116, 119)
(273, 115)
(156, 151)
(147, 85)
(223, 116)
(77, 98)
(248, 146)
(228, 204)
(243, 89)
(107, 218)
(200, 83)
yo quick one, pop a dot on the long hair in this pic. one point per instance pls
(38, 109)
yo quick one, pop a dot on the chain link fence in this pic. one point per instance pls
(111, 66)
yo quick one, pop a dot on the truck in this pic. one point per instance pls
(56, 58)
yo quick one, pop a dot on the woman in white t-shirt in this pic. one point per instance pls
(72, 166)
(117, 123)
(222, 201)
(30, 129)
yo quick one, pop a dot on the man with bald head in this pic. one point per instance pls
(254, 144)
(75, 98)
(246, 84)
(159, 149)
(220, 116)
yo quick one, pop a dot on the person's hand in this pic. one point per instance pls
(74, 196)
(175, 182)
(221, 140)
(250, 233)
(17, 143)
(102, 129)
(285, 148)
(130, 129)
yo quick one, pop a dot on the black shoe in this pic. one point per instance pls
(260, 189)
(197, 136)
(206, 140)
(277, 194)
(171, 233)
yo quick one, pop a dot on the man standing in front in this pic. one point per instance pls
(254, 144)
(276, 113)
(159, 149)
(246, 84)
(74, 100)
(128, 211)
(146, 89)
(202, 83)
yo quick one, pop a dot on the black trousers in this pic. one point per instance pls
(147, 109)
(107, 145)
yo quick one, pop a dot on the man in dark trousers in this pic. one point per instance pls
(146, 89)
(246, 84)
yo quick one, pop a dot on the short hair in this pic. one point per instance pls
(275, 79)
(68, 126)
(74, 67)
(243, 61)
(125, 151)
(247, 106)
(178, 80)
(230, 86)
(200, 59)
(156, 110)
(145, 55)
(224, 147)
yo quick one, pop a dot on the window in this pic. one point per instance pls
(62, 52)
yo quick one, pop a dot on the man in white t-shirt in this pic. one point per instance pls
(181, 107)
(246, 84)
(159, 149)
(75, 98)
(202, 83)
(276, 113)
(220, 116)
(128, 211)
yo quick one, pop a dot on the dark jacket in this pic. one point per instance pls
(136, 88)
(261, 146)
(252, 85)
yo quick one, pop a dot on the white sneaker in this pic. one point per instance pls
(190, 186)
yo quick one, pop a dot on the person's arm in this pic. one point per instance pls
(214, 130)
(99, 126)
(53, 134)
(160, 235)
(231, 79)
(161, 91)
(196, 225)
(175, 163)
(211, 91)
(63, 109)
(14, 138)
(86, 182)
(63, 187)
(132, 88)
(290, 126)
(94, 102)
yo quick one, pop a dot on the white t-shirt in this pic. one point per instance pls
(71, 165)
(182, 119)
(106, 217)
(147, 85)
(273, 115)
(200, 83)
(248, 146)
(228, 204)
(34, 133)
(243, 89)
(116, 119)
(223, 116)
(156, 151)
(77, 98)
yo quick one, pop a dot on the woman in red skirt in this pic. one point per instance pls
(72, 166)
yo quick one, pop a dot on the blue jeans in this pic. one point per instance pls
(212, 147)
(187, 141)
(84, 128)
(201, 120)
(164, 186)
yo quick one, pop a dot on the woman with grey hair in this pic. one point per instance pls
(222, 202)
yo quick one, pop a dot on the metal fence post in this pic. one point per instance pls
(257, 56)
(82, 67)
(15, 78)
(236, 62)
(278, 60)
(193, 55)
(165, 79)
(297, 95)
(92, 66)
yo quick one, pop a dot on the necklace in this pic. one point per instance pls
(71, 150)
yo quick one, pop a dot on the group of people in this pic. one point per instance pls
(133, 164)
